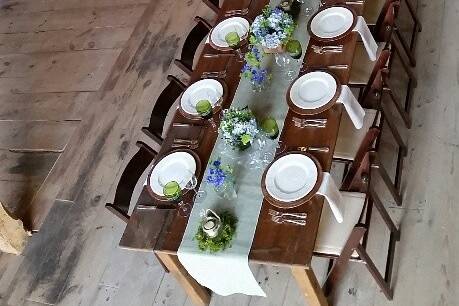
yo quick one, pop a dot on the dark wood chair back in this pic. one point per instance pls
(191, 44)
(162, 106)
(129, 179)
(214, 5)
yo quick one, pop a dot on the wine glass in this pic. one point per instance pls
(293, 48)
(234, 42)
(307, 9)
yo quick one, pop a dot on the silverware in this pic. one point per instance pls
(188, 146)
(314, 149)
(217, 55)
(243, 11)
(313, 123)
(314, 120)
(276, 213)
(213, 74)
(281, 220)
(185, 141)
(327, 49)
(338, 67)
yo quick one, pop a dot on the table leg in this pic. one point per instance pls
(199, 295)
(307, 281)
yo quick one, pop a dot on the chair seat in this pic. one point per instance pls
(372, 10)
(332, 236)
(362, 66)
(350, 138)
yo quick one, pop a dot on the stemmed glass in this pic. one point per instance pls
(174, 193)
(293, 48)
(307, 10)
(206, 110)
(234, 42)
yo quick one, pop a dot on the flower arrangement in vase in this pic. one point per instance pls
(258, 76)
(238, 127)
(221, 177)
(272, 29)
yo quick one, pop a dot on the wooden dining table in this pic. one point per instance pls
(273, 244)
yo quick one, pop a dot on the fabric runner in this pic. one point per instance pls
(228, 272)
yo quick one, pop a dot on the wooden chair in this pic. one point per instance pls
(129, 179)
(347, 241)
(214, 5)
(191, 44)
(161, 109)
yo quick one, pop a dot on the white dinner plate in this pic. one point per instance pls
(291, 177)
(332, 22)
(313, 90)
(177, 166)
(207, 89)
(233, 24)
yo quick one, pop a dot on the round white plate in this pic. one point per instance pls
(233, 24)
(207, 89)
(332, 22)
(291, 177)
(177, 166)
(313, 90)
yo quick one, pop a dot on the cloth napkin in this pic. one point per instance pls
(331, 193)
(352, 106)
(368, 41)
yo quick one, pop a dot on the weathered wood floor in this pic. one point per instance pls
(84, 73)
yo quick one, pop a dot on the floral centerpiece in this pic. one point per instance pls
(221, 178)
(223, 239)
(238, 127)
(272, 29)
(259, 77)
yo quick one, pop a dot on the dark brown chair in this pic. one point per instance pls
(214, 5)
(191, 44)
(129, 179)
(346, 241)
(161, 108)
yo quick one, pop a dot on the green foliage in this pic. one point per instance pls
(225, 235)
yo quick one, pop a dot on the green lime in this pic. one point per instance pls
(204, 108)
(270, 127)
(233, 39)
(293, 47)
(172, 191)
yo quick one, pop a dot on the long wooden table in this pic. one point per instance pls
(273, 244)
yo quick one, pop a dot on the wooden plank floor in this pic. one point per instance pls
(74, 259)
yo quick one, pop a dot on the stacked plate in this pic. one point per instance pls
(233, 24)
(207, 89)
(177, 166)
(290, 178)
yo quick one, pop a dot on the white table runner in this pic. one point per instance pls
(228, 272)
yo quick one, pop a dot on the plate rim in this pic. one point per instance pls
(314, 111)
(243, 39)
(197, 171)
(197, 117)
(303, 200)
(338, 37)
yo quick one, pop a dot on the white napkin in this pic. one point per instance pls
(331, 193)
(353, 108)
(368, 41)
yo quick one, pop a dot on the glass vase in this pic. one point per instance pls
(227, 190)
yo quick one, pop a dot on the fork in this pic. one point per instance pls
(213, 74)
(316, 123)
(243, 11)
(276, 213)
(281, 220)
(327, 49)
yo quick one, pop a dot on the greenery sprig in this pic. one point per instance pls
(223, 240)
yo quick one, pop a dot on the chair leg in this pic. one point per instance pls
(212, 6)
(405, 46)
(417, 22)
(118, 212)
(384, 214)
(376, 164)
(182, 66)
(153, 136)
(343, 260)
(400, 109)
(383, 285)
(405, 65)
